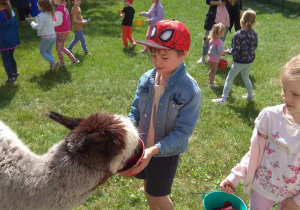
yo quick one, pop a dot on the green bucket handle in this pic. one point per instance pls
(203, 195)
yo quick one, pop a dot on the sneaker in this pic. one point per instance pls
(219, 101)
(15, 75)
(246, 97)
(55, 66)
(133, 46)
(201, 60)
(62, 65)
(11, 81)
(75, 61)
(143, 51)
(71, 50)
(212, 86)
(87, 53)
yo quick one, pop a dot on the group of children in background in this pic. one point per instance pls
(271, 167)
(155, 14)
(53, 27)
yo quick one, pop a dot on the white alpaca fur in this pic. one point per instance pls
(57, 179)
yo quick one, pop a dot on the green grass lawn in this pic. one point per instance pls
(106, 82)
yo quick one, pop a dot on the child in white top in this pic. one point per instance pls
(270, 169)
(45, 29)
(216, 50)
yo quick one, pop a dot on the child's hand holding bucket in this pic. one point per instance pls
(227, 187)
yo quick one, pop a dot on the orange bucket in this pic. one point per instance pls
(223, 64)
(138, 23)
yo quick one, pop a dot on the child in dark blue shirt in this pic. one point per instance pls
(34, 11)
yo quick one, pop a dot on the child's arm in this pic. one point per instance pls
(122, 14)
(134, 114)
(74, 15)
(235, 44)
(215, 3)
(59, 18)
(245, 170)
(184, 125)
(39, 25)
(160, 14)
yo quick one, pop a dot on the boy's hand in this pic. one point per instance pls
(84, 22)
(290, 204)
(140, 14)
(222, 3)
(149, 152)
(147, 21)
(227, 187)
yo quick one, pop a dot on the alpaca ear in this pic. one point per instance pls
(69, 122)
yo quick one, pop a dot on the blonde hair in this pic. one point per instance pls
(291, 69)
(248, 19)
(216, 31)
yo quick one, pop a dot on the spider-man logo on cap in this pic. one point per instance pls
(168, 35)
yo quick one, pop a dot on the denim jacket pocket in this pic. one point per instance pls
(176, 102)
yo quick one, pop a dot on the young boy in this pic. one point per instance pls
(165, 109)
(127, 14)
(77, 25)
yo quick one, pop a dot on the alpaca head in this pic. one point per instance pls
(100, 140)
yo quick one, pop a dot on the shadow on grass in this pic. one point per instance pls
(49, 79)
(248, 113)
(288, 8)
(7, 93)
(129, 52)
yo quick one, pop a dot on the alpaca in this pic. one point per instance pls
(71, 170)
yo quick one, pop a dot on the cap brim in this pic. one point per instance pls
(153, 44)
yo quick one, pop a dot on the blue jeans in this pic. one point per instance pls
(235, 69)
(78, 36)
(205, 44)
(9, 62)
(46, 49)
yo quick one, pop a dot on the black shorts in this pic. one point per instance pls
(159, 175)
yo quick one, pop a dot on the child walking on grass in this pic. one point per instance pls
(270, 169)
(127, 14)
(45, 29)
(78, 24)
(62, 28)
(165, 109)
(9, 40)
(155, 14)
(244, 44)
(216, 50)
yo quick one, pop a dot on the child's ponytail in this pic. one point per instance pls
(8, 8)
(248, 19)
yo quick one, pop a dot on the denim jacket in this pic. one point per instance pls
(177, 113)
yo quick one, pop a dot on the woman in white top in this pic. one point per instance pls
(45, 29)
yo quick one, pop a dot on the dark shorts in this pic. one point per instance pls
(159, 175)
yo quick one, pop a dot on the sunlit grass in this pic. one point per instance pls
(106, 82)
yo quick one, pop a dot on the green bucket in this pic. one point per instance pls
(218, 198)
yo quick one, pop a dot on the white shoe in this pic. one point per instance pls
(212, 86)
(76, 61)
(133, 46)
(249, 99)
(219, 101)
(143, 51)
(201, 60)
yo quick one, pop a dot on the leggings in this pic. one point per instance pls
(127, 34)
(9, 62)
(60, 47)
(259, 202)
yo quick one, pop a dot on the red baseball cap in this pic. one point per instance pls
(168, 35)
(130, 1)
